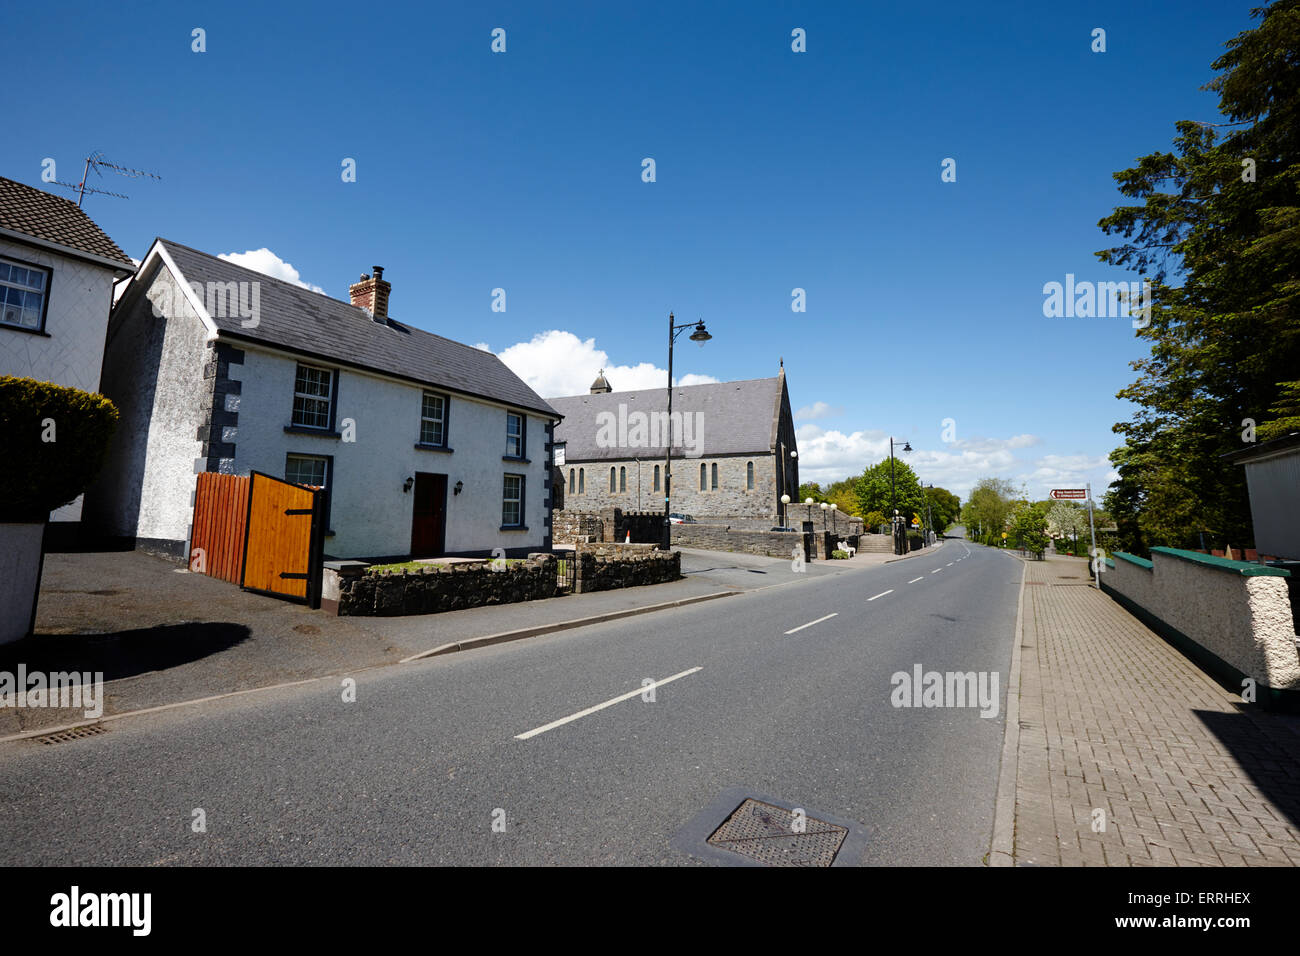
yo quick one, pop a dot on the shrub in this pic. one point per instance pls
(837, 553)
(55, 441)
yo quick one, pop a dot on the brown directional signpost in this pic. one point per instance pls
(1077, 494)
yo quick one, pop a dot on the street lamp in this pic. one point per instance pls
(700, 335)
(785, 502)
(825, 508)
(834, 508)
(809, 503)
(893, 494)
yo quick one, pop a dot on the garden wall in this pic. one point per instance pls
(1232, 617)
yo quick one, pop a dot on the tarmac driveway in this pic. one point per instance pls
(160, 634)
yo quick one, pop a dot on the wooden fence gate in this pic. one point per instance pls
(259, 532)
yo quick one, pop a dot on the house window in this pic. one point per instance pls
(749, 476)
(704, 477)
(582, 480)
(572, 487)
(622, 479)
(22, 295)
(312, 470)
(312, 393)
(714, 468)
(611, 479)
(433, 420)
(656, 477)
(512, 502)
(514, 435)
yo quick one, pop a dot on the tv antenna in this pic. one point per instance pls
(94, 161)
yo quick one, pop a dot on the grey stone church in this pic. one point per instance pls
(734, 450)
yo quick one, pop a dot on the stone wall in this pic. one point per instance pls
(715, 537)
(773, 544)
(730, 497)
(572, 526)
(608, 566)
(349, 589)
(443, 588)
(1232, 616)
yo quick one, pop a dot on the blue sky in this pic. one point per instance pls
(775, 170)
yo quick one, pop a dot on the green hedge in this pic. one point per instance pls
(55, 441)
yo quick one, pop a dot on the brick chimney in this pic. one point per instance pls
(371, 294)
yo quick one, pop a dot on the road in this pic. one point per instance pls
(785, 690)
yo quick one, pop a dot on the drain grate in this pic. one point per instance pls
(76, 733)
(768, 834)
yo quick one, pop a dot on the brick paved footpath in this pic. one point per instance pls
(1113, 718)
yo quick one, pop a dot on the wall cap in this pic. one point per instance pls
(1244, 568)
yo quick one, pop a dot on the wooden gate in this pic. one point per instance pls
(217, 537)
(283, 540)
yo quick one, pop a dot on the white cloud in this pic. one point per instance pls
(817, 410)
(557, 363)
(268, 263)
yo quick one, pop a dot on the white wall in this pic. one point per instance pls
(72, 351)
(1245, 620)
(154, 374)
(370, 512)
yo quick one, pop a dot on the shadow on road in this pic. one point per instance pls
(123, 653)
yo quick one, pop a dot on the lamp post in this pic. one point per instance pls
(834, 526)
(783, 482)
(825, 508)
(929, 518)
(700, 335)
(893, 494)
(809, 503)
(785, 504)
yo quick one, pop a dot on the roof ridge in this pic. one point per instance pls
(660, 388)
(302, 288)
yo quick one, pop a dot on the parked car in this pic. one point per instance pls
(675, 518)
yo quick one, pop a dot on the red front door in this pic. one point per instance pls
(429, 516)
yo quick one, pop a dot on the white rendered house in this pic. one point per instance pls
(424, 446)
(57, 270)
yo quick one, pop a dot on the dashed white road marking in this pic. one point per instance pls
(609, 703)
(914, 580)
(936, 570)
(811, 623)
(881, 594)
(949, 564)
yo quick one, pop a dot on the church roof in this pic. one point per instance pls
(734, 418)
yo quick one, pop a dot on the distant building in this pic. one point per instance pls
(734, 451)
(57, 270)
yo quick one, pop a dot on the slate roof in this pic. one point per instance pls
(738, 418)
(41, 215)
(314, 324)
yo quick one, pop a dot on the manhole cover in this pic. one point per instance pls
(75, 733)
(778, 837)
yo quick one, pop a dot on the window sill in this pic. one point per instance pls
(440, 448)
(517, 460)
(513, 527)
(22, 328)
(318, 432)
